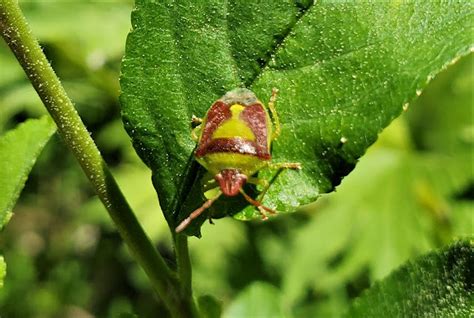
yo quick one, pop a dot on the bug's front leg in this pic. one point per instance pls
(196, 131)
(195, 121)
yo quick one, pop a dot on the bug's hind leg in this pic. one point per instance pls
(261, 208)
(184, 224)
(265, 184)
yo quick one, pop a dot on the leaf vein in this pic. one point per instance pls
(279, 43)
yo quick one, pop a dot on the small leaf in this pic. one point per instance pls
(344, 72)
(3, 270)
(439, 284)
(257, 300)
(209, 307)
(19, 149)
(442, 118)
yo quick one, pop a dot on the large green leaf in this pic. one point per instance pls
(19, 149)
(344, 72)
(439, 284)
(392, 207)
(257, 300)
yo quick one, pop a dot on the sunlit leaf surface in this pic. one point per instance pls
(19, 149)
(344, 72)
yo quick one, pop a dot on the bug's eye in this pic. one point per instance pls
(249, 100)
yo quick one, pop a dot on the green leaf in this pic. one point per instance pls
(399, 202)
(209, 307)
(19, 149)
(435, 285)
(257, 300)
(395, 205)
(214, 257)
(442, 118)
(3, 270)
(344, 72)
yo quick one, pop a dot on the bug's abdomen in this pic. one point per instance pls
(232, 145)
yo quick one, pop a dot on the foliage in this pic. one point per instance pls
(417, 201)
(64, 256)
(339, 86)
(436, 285)
(19, 149)
(257, 300)
(3, 270)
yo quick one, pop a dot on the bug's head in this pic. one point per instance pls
(240, 96)
(230, 181)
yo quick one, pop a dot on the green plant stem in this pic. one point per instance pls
(184, 270)
(19, 38)
(184, 263)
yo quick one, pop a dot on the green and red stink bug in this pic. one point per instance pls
(233, 144)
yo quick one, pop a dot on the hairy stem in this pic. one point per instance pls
(18, 36)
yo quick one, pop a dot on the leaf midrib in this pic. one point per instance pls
(276, 47)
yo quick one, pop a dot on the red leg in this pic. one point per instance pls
(261, 208)
(196, 213)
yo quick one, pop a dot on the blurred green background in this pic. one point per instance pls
(412, 192)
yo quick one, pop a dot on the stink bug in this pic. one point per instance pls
(233, 144)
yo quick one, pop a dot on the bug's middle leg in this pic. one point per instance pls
(275, 166)
(265, 184)
(258, 204)
(284, 165)
(195, 134)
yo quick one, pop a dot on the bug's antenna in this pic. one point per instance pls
(261, 208)
(196, 213)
